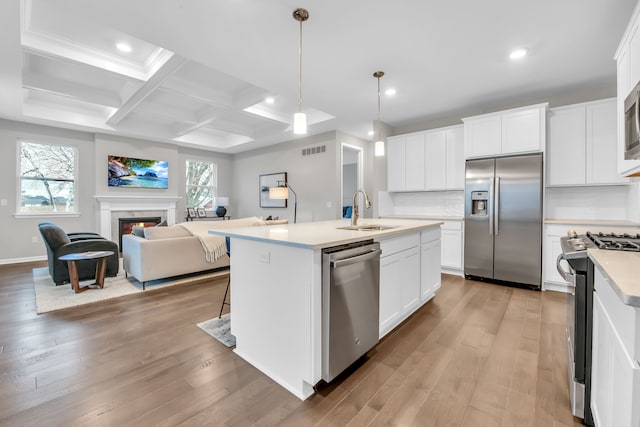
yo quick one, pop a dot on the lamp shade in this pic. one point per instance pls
(300, 123)
(278, 193)
(379, 148)
(221, 201)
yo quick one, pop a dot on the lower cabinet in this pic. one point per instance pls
(409, 275)
(615, 390)
(452, 247)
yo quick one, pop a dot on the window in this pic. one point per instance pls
(201, 183)
(47, 178)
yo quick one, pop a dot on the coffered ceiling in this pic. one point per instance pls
(199, 71)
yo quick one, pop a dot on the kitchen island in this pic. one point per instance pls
(276, 289)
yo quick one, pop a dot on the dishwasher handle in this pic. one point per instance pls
(358, 258)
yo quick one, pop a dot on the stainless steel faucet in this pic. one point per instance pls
(367, 204)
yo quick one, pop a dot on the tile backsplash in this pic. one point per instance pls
(601, 203)
(432, 203)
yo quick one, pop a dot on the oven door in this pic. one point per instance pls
(632, 124)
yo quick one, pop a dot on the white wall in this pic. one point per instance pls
(601, 203)
(429, 203)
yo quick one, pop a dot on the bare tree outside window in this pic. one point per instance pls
(201, 184)
(47, 177)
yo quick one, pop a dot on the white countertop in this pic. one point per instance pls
(318, 235)
(427, 217)
(623, 271)
(603, 222)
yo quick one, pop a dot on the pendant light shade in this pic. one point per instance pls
(379, 144)
(299, 118)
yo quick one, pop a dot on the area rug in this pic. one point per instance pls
(50, 297)
(219, 329)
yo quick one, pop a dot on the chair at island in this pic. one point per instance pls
(58, 243)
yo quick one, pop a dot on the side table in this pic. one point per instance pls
(101, 268)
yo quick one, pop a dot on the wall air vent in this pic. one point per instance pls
(314, 150)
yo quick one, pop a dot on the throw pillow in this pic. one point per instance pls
(137, 230)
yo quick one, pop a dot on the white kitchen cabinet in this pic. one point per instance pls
(414, 162)
(520, 130)
(426, 160)
(396, 148)
(615, 372)
(452, 246)
(435, 154)
(579, 150)
(430, 277)
(455, 158)
(403, 286)
(628, 72)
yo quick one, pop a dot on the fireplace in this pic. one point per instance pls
(125, 225)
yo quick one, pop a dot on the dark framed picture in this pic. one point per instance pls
(201, 213)
(272, 180)
(191, 212)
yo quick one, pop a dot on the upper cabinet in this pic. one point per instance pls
(628, 64)
(427, 160)
(579, 147)
(520, 130)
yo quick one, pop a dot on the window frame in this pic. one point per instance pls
(76, 172)
(213, 186)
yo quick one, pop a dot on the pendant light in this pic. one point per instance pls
(379, 144)
(300, 118)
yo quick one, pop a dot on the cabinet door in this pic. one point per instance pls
(566, 146)
(396, 163)
(522, 131)
(482, 136)
(430, 277)
(634, 57)
(390, 292)
(410, 280)
(414, 161)
(615, 377)
(552, 251)
(452, 248)
(455, 158)
(600, 139)
(435, 160)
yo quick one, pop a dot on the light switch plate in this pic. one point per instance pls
(265, 257)
(3, 202)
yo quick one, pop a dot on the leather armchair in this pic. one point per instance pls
(58, 243)
(81, 235)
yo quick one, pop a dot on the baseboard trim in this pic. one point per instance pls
(452, 271)
(22, 260)
(549, 286)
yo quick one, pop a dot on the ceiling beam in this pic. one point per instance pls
(71, 90)
(163, 73)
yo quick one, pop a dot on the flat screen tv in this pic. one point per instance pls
(137, 173)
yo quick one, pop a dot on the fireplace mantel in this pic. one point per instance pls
(109, 204)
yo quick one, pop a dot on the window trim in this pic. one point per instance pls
(76, 172)
(214, 186)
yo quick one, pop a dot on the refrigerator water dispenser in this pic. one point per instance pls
(479, 203)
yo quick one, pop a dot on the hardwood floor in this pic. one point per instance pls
(476, 355)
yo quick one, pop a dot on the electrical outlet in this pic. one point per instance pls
(34, 239)
(265, 257)
(3, 202)
(329, 204)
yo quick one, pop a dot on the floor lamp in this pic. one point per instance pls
(281, 192)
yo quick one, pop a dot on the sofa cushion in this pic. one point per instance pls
(156, 233)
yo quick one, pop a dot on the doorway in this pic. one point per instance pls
(352, 178)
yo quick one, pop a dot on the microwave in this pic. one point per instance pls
(632, 124)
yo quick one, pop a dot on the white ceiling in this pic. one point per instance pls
(200, 70)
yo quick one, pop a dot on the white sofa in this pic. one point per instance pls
(173, 251)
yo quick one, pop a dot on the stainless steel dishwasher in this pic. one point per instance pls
(350, 304)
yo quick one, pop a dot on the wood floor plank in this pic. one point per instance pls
(478, 354)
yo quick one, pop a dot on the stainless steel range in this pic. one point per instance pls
(580, 307)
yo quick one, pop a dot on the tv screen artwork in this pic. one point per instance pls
(137, 173)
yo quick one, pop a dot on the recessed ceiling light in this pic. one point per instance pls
(390, 92)
(269, 100)
(123, 47)
(518, 54)
(370, 133)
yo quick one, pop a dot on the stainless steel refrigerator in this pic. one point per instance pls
(503, 219)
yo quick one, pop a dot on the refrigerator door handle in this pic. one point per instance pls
(497, 207)
(491, 207)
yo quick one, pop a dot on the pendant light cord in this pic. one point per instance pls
(300, 72)
(378, 124)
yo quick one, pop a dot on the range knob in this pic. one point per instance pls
(572, 233)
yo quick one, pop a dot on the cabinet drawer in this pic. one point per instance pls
(397, 244)
(430, 234)
(452, 225)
